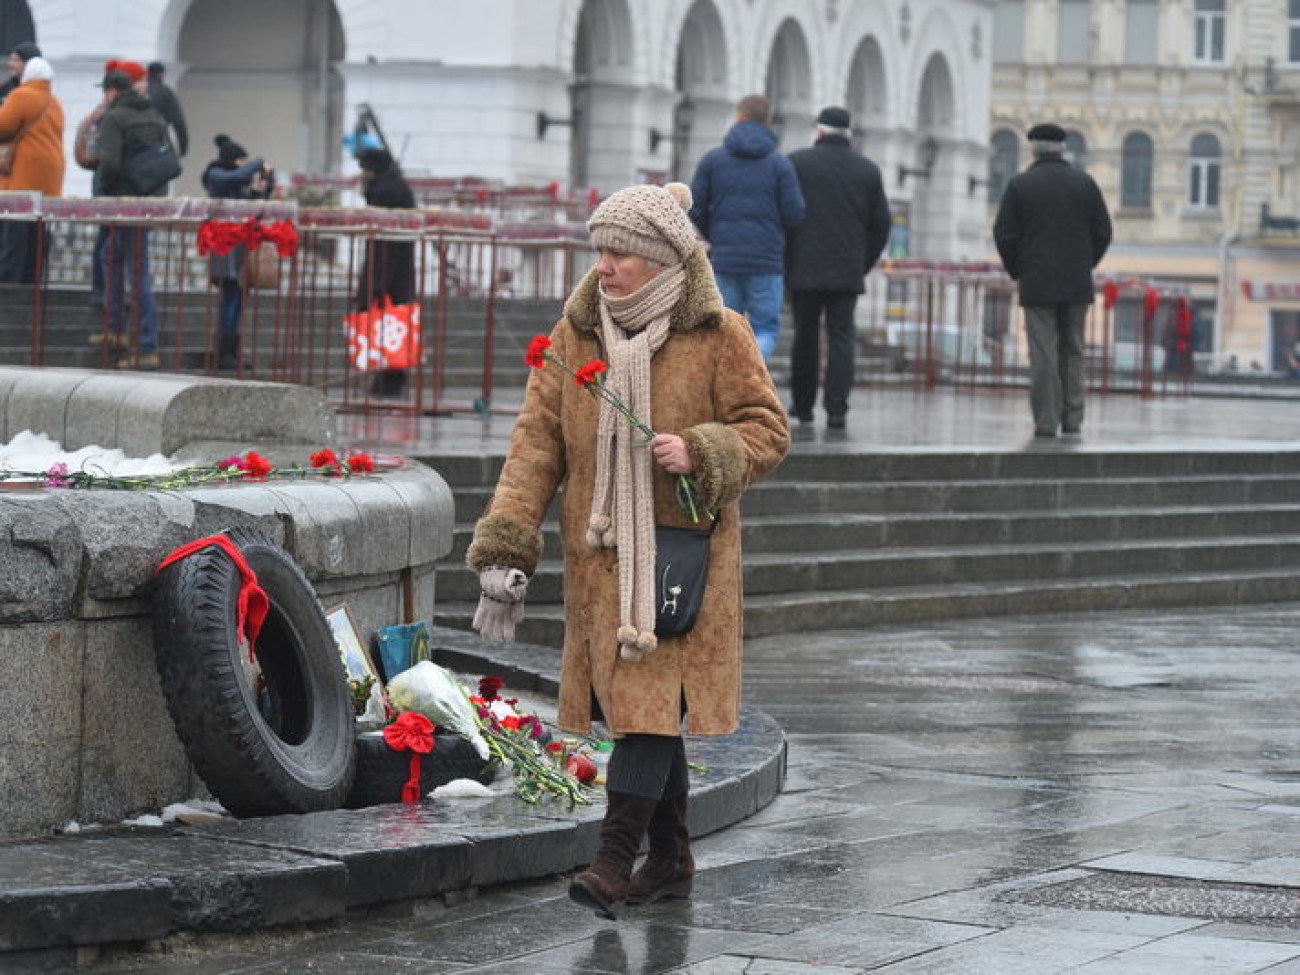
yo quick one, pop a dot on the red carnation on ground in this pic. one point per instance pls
(361, 464)
(490, 686)
(325, 457)
(255, 465)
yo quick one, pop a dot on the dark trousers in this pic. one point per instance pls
(232, 303)
(99, 266)
(649, 766)
(1056, 365)
(18, 252)
(805, 356)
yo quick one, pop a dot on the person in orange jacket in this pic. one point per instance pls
(32, 118)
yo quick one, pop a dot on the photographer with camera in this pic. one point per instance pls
(233, 175)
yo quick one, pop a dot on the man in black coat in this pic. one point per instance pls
(167, 105)
(843, 233)
(388, 268)
(1051, 230)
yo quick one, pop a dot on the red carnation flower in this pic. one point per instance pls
(361, 464)
(589, 375)
(536, 354)
(489, 686)
(255, 465)
(324, 458)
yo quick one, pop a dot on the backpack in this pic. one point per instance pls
(85, 149)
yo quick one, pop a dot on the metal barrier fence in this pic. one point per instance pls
(482, 288)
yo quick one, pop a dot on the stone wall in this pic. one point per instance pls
(84, 730)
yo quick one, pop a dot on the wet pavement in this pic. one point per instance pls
(1107, 793)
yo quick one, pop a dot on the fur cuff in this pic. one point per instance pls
(721, 464)
(500, 540)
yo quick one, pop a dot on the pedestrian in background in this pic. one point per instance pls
(32, 118)
(689, 368)
(842, 235)
(747, 198)
(388, 270)
(167, 105)
(23, 52)
(85, 152)
(130, 121)
(233, 175)
(1052, 228)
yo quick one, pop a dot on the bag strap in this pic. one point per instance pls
(39, 115)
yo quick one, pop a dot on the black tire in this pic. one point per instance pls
(381, 772)
(273, 737)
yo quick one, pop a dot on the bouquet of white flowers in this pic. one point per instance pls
(496, 730)
(429, 690)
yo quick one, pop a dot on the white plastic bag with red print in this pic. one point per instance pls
(386, 336)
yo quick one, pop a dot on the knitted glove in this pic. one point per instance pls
(501, 605)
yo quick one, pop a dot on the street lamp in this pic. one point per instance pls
(929, 154)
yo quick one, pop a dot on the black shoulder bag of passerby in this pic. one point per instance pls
(148, 168)
(681, 573)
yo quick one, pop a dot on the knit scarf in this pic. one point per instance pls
(622, 502)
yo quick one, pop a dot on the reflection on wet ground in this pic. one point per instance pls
(1115, 793)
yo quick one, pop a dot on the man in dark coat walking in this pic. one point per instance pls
(167, 105)
(746, 198)
(1051, 230)
(843, 234)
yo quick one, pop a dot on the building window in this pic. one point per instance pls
(1074, 31)
(1009, 31)
(1293, 31)
(1076, 150)
(1141, 24)
(1203, 173)
(1003, 163)
(1135, 177)
(1209, 31)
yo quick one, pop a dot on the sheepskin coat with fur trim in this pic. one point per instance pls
(710, 386)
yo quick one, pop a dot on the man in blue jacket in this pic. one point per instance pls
(747, 197)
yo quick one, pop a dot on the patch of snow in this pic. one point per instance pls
(36, 452)
(462, 789)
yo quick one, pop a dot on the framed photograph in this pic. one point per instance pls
(355, 655)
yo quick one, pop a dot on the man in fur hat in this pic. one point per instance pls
(688, 367)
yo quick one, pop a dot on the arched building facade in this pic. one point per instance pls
(587, 93)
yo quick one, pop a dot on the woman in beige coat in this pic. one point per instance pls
(692, 371)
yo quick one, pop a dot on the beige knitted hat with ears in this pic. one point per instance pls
(648, 221)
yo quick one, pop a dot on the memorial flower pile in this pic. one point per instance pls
(591, 377)
(494, 725)
(248, 466)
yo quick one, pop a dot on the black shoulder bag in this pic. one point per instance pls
(681, 573)
(150, 167)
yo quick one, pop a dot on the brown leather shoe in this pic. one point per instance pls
(113, 340)
(144, 362)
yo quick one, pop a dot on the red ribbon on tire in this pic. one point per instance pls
(414, 733)
(253, 603)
